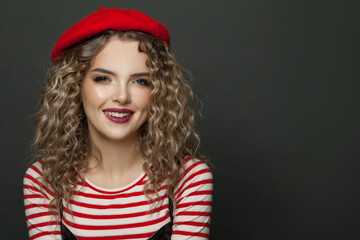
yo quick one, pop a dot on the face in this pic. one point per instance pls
(115, 92)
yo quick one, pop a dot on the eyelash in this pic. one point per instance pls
(141, 81)
(101, 79)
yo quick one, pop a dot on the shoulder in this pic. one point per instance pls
(34, 171)
(195, 179)
(33, 180)
(195, 168)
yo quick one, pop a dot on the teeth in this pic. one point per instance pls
(116, 114)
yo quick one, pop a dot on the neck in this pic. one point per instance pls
(116, 157)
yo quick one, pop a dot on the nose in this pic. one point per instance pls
(121, 94)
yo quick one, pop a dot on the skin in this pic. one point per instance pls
(117, 78)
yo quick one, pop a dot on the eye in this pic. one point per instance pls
(142, 81)
(101, 79)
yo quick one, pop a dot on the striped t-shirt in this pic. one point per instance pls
(122, 213)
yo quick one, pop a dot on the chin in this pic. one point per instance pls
(122, 137)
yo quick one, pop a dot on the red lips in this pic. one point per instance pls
(119, 110)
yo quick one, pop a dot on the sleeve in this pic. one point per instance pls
(194, 200)
(41, 223)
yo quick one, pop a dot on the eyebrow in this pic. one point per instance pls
(103, 71)
(141, 74)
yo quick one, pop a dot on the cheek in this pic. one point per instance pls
(143, 98)
(92, 95)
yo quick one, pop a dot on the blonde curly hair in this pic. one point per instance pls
(61, 131)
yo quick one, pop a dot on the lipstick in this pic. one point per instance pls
(118, 115)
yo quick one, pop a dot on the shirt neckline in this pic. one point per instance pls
(97, 188)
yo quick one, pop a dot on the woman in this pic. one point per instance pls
(116, 138)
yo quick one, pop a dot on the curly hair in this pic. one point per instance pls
(61, 131)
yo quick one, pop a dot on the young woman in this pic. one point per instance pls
(116, 139)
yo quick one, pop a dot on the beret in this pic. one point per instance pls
(106, 19)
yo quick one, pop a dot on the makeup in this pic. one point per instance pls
(118, 115)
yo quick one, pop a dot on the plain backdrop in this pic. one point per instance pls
(280, 95)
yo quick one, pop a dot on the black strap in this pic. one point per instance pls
(165, 232)
(66, 234)
(171, 210)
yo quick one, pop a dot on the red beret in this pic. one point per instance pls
(110, 18)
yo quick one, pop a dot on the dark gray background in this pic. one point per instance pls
(279, 83)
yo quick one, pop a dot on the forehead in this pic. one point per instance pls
(121, 56)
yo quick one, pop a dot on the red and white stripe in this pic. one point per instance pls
(123, 213)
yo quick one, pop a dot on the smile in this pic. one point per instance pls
(117, 114)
